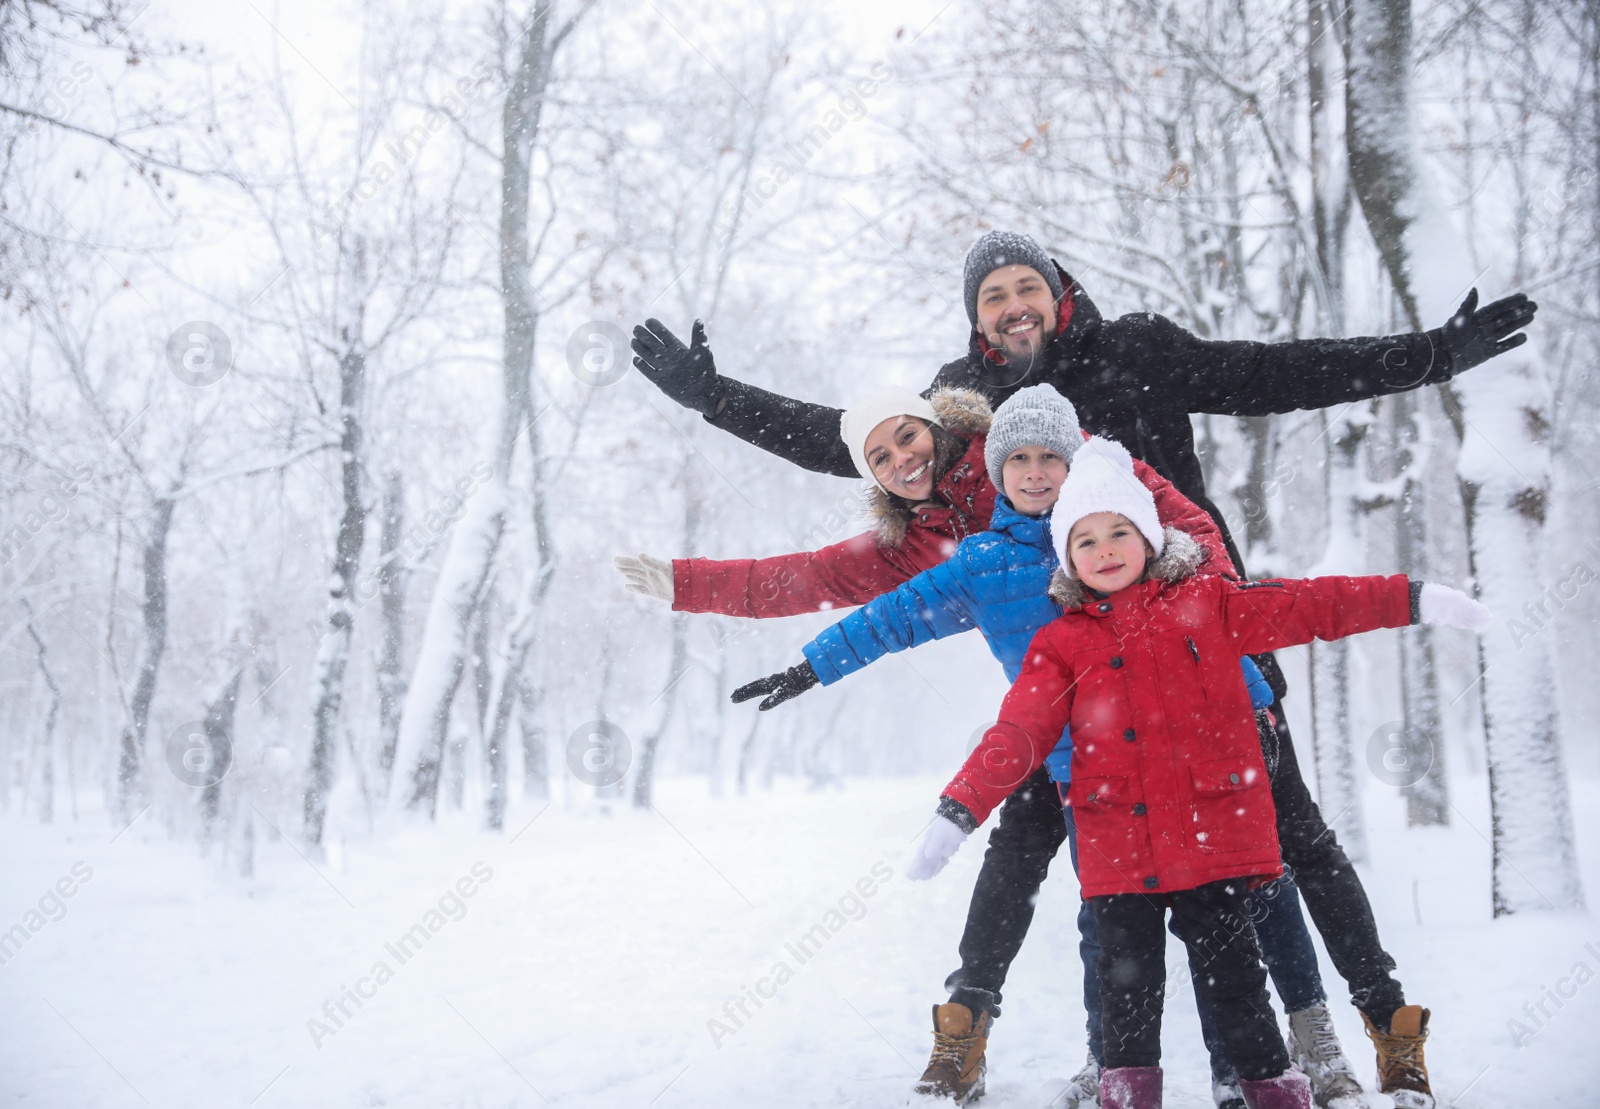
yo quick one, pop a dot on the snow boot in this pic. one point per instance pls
(957, 1066)
(1130, 1088)
(1225, 1093)
(1082, 1090)
(1402, 1072)
(1314, 1048)
(1290, 1090)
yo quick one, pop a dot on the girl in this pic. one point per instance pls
(1169, 791)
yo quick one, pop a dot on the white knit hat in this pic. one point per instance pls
(860, 418)
(1102, 480)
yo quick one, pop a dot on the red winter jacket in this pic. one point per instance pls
(863, 567)
(1168, 788)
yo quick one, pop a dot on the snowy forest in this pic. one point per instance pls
(319, 432)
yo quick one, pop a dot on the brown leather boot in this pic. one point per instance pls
(1402, 1072)
(957, 1066)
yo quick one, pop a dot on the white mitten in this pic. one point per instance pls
(647, 575)
(1439, 604)
(942, 840)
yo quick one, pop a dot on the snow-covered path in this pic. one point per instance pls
(595, 949)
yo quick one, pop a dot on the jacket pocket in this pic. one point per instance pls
(1232, 804)
(1109, 834)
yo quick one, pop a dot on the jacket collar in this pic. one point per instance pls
(1032, 530)
(966, 494)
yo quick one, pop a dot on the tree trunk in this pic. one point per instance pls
(678, 657)
(426, 718)
(47, 773)
(515, 688)
(333, 653)
(1344, 436)
(1426, 788)
(535, 759)
(219, 745)
(392, 599)
(1338, 787)
(130, 791)
(1507, 405)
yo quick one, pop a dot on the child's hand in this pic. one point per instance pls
(1439, 604)
(649, 576)
(942, 840)
(781, 686)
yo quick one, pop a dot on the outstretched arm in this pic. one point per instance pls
(1257, 379)
(842, 575)
(934, 604)
(797, 431)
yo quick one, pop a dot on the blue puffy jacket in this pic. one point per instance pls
(996, 581)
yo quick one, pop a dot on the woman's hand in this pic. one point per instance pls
(649, 576)
(783, 686)
(942, 840)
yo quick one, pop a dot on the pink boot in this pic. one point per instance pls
(1290, 1090)
(1130, 1088)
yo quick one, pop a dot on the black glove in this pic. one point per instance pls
(1474, 335)
(782, 686)
(685, 373)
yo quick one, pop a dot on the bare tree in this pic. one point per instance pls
(1508, 404)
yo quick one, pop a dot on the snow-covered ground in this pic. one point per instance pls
(596, 948)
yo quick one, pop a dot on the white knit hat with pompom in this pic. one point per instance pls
(1102, 480)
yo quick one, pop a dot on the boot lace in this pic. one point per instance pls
(950, 1050)
(1324, 1046)
(1400, 1058)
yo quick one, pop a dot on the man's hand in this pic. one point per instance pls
(685, 373)
(942, 840)
(649, 576)
(782, 686)
(1474, 335)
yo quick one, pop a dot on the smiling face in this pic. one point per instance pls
(1016, 311)
(1107, 551)
(900, 454)
(1032, 477)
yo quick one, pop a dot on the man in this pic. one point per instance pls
(1135, 379)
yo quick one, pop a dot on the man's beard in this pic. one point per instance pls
(1020, 368)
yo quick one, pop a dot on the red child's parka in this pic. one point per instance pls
(1168, 790)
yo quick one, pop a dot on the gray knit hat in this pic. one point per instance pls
(1037, 416)
(1005, 248)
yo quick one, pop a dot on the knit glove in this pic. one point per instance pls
(942, 840)
(647, 575)
(1439, 604)
(687, 374)
(1474, 335)
(782, 686)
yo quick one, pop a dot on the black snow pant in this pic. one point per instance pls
(1229, 975)
(1030, 831)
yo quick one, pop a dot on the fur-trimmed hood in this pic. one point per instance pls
(966, 416)
(1180, 558)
